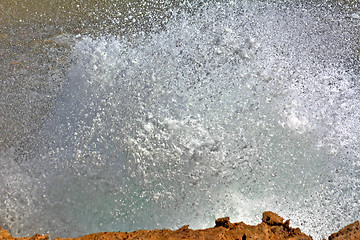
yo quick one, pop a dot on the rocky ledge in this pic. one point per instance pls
(272, 227)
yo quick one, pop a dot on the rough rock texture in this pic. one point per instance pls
(350, 232)
(5, 235)
(272, 227)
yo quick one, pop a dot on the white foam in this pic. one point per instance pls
(228, 110)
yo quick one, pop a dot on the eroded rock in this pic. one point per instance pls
(272, 219)
(272, 227)
(223, 222)
(350, 232)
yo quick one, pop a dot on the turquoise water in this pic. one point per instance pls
(224, 109)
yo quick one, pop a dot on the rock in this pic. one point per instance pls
(223, 222)
(350, 232)
(272, 219)
(271, 228)
(183, 228)
(5, 235)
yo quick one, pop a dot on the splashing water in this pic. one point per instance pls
(232, 109)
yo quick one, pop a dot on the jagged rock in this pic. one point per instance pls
(272, 219)
(5, 235)
(223, 222)
(350, 232)
(271, 228)
(183, 228)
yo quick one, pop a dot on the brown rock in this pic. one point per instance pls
(271, 228)
(272, 219)
(223, 222)
(5, 235)
(350, 232)
(183, 228)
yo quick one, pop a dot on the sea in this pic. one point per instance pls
(124, 115)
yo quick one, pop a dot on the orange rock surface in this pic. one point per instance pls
(272, 227)
(350, 232)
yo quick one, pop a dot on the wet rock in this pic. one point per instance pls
(350, 232)
(223, 222)
(5, 235)
(272, 219)
(271, 228)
